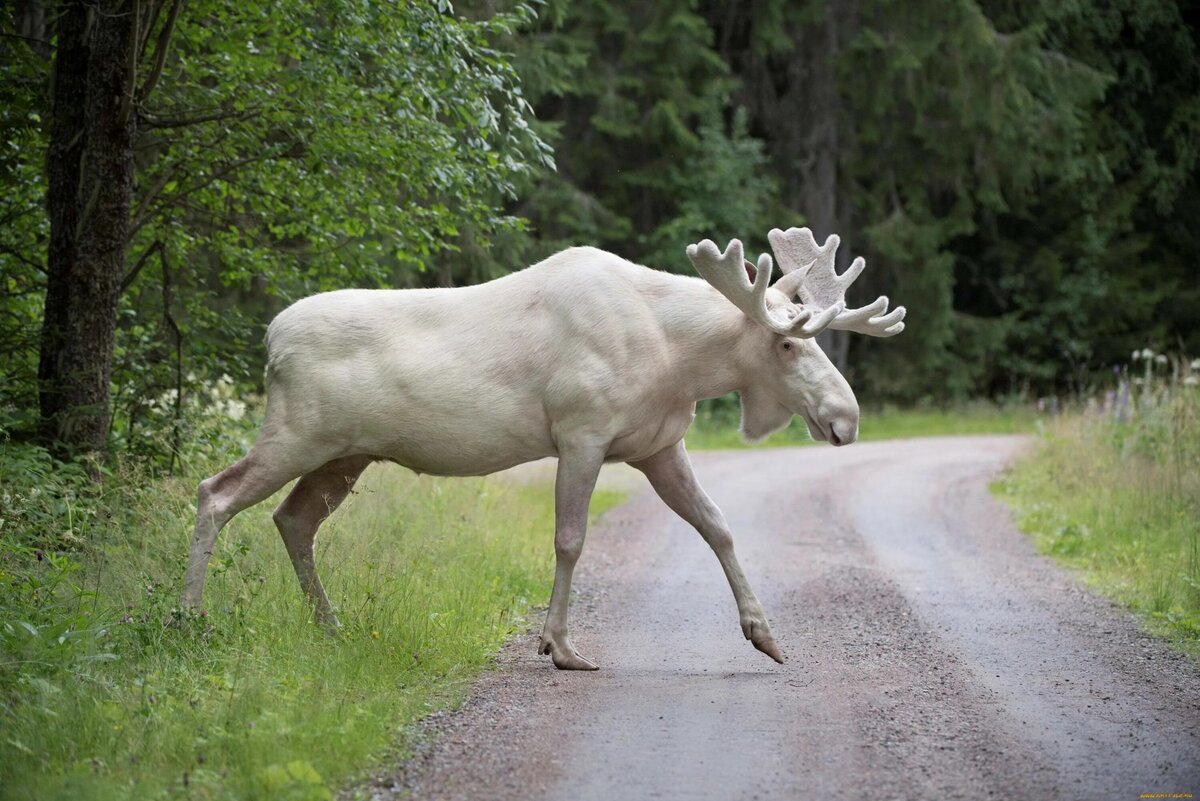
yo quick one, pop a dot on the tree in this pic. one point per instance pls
(1101, 260)
(898, 126)
(89, 168)
(652, 154)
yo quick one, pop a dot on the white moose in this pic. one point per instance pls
(584, 356)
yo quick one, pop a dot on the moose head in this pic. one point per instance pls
(799, 379)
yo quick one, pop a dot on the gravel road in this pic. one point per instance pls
(931, 654)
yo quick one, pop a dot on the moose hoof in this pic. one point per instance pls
(768, 647)
(327, 619)
(565, 658)
(760, 637)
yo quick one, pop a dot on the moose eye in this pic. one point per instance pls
(787, 345)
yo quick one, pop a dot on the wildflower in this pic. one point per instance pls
(40, 554)
(1191, 381)
(1137, 354)
(235, 409)
(1161, 358)
(1147, 353)
(1195, 365)
(375, 634)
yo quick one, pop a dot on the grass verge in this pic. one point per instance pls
(716, 424)
(1121, 504)
(107, 691)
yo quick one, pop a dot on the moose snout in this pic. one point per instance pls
(842, 433)
(840, 422)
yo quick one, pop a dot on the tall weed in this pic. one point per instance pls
(1115, 490)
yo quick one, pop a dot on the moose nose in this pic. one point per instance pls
(841, 433)
(840, 422)
(838, 417)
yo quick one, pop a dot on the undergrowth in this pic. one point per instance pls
(1115, 493)
(108, 690)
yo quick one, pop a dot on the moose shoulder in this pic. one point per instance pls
(584, 356)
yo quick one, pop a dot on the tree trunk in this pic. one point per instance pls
(90, 181)
(816, 192)
(795, 106)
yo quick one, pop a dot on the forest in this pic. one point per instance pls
(1022, 175)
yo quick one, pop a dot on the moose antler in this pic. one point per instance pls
(729, 274)
(808, 270)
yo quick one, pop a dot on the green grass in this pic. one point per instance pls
(1121, 504)
(108, 692)
(716, 425)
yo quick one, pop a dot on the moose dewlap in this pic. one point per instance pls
(584, 356)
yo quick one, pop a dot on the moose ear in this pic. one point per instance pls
(751, 270)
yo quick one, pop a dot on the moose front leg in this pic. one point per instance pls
(670, 473)
(578, 468)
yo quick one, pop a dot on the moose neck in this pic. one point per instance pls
(712, 342)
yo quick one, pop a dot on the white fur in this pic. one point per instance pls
(584, 356)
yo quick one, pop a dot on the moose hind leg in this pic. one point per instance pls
(311, 501)
(254, 478)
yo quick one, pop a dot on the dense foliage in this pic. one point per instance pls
(1021, 174)
(285, 150)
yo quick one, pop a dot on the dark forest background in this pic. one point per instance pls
(1021, 175)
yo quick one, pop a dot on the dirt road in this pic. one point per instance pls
(931, 655)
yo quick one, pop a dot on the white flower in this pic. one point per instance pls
(1137, 382)
(1195, 365)
(1147, 353)
(1161, 358)
(1191, 381)
(235, 409)
(1137, 354)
